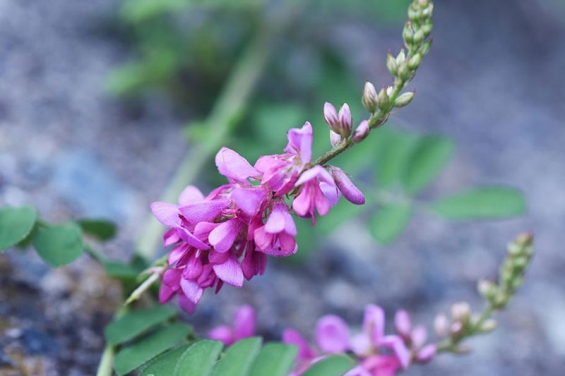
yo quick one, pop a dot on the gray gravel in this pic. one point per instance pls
(493, 83)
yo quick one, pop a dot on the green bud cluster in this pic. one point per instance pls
(463, 323)
(511, 275)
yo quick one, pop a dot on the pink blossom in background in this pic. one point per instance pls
(243, 327)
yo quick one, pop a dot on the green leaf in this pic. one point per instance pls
(134, 323)
(429, 157)
(199, 358)
(335, 365)
(59, 244)
(389, 221)
(98, 228)
(394, 158)
(120, 269)
(15, 225)
(274, 359)
(486, 202)
(165, 363)
(238, 358)
(139, 353)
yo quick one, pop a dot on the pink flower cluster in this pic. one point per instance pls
(378, 354)
(225, 236)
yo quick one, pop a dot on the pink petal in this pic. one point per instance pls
(321, 202)
(193, 240)
(223, 236)
(374, 323)
(358, 371)
(230, 272)
(234, 166)
(419, 336)
(288, 244)
(177, 253)
(244, 323)
(332, 334)
(171, 237)
(192, 290)
(292, 337)
(280, 220)
(186, 304)
(254, 263)
(165, 293)
(346, 186)
(301, 204)
(402, 323)
(300, 142)
(426, 353)
(315, 172)
(222, 333)
(204, 211)
(193, 268)
(330, 192)
(189, 195)
(167, 214)
(361, 345)
(263, 239)
(397, 344)
(249, 200)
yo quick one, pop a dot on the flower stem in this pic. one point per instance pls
(106, 365)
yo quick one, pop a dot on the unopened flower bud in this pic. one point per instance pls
(441, 326)
(346, 186)
(427, 27)
(419, 336)
(418, 36)
(460, 312)
(334, 138)
(426, 353)
(402, 324)
(488, 326)
(345, 122)
(391, 65)
(369, 98)
(404, 99)
(383, 100)
(361, 132)
(408, 34)
(487, 289)
(401, 57)
(426, 47)
(415, 61)
(456, 328)
(330, 115)
(413, 14)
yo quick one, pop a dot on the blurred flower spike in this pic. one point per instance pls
(224, 237)
(375, 352)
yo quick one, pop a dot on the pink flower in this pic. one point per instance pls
(333, 336)
(318, 193)
(276, 237)
(243, 327)
(415, 338)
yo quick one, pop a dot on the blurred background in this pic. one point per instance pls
(100, 101)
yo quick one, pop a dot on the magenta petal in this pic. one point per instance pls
(167, 214)
(186, 304)
(189, 195)
(223, 236)
(193, 240)
(171, 237)
(177, 253)
(292, 337)
(358, 371)
(263, 239)
(222, 333)
(171, 278)
(332, 334)
(234, 166)
(249, 199)
(244, 323)
(322, 204)
(192, 290)
(165, 293)
(253, 263)
(301, 204)
(374, 323)
(204, 211)
(330, 192)
(277, 220)
(230, 272)
(300, 142)
(402, 323)
(346, 186)
(426, 353)
(396, 344)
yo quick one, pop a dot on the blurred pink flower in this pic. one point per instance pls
(243, 327)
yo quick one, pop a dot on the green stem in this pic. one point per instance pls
(222, 120)
(450, 344)
(106, 365)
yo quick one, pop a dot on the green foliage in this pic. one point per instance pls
(59, 244)
(275, 357)
(389, 221)
(486, 202)
(165, 363)
(135, 323)
(335, 365)
(98, 228)
(199, 359)
(429, 156)
(15, 225)
(142, 351)
(238, 359)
